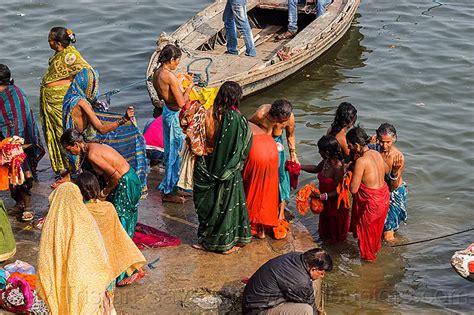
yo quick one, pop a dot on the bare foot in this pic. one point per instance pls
(260, 235)
(198, 246)
(389, 236)
(173, 198)
(232, 250)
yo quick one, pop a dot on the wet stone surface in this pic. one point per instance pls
(184, 280)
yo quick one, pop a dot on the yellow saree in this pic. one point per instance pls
(62, 65)
(74, 269)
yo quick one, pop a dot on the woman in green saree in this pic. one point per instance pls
(7, 240)
(63, 65)
(219, 195)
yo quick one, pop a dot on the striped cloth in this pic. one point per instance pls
(17, 119)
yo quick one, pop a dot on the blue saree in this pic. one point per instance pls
(126, 139)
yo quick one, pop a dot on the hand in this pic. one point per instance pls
(315, 195)
(294, 158)
(397, 163)
(373, 139)
(129, 113)
(347, 167)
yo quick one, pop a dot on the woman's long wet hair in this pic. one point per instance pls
(358, 136)
(5, 75)
(386, 129)
(63, 35)
(89, 185)
(70, 137)
(168, 53)
(346, 114)
(331, 147)
(228, 97)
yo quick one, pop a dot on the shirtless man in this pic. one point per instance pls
(393, 157)
(274, 119)
(168, 88)
(370, 192)
(123, 187)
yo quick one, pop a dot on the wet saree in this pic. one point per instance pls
(260, 178)
(370, 207)
(125, 198)
(283, 175)
(219, 195)
(397, 212)
(173, 138)
(17, 119)
(62, 65)
(126, 139)
(7, 240)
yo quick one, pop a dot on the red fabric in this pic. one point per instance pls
(260, 177)
(369, 211)
(154, 134)
(149, 237)
(333, 221)
(294, 170)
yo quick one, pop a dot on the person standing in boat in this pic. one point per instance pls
(386, 138)
(235, 18)
(370, 193)
(274, 119)
(168, 88)
(321, 6)
(63, 65)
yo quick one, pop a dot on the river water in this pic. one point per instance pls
(410, 63)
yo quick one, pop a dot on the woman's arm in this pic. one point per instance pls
(313, 168)
(95, 121)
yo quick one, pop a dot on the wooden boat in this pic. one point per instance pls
(463, 262)
(203, 36)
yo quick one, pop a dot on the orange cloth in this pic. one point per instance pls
(260, 177)
(281, 231)
(343, 191)
(31, 279)
(302, 198)
(4, 181)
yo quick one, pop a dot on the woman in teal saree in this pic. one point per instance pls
(219, 195)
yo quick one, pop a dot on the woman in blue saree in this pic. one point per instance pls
(120, 132)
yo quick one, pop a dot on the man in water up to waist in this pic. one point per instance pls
(167, 86)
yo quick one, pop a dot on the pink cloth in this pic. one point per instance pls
(154, 134)
(148, 237)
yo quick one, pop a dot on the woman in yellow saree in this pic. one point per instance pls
(63, 65)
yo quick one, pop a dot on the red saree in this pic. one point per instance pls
(370, 208)
(333, 222)
(260, 177)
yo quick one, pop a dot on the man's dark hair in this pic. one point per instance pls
(168, 53)
(317, 258)
(281, 109)
(5, 75)
(358, 136)
(89, 185)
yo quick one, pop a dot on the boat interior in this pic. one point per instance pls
(266, 21)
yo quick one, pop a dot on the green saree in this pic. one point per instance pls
(219, 195)
(7, 241)
(62, 65)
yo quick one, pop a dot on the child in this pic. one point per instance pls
(334, 220)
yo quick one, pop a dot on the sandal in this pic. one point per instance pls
(286, 35)
(133, 278)
(27, 216)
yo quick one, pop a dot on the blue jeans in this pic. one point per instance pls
(293, 12)
(235, 18)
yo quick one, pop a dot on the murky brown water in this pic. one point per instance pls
(406, 62)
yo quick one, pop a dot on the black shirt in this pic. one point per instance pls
(282, 279)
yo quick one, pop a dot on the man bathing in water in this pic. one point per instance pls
(370, 193)
(274, 119)
(393, 157)
(168, 88)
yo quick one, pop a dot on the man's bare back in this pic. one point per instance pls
(273, 128)
(105, 160)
